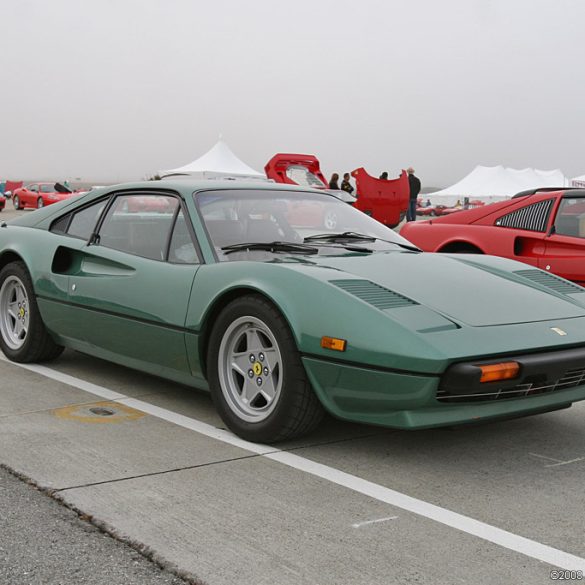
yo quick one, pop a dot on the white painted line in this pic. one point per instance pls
(503, 538)
(66, 379)
(368, 522)
(566, 462)
(544, 457)
(557, 462)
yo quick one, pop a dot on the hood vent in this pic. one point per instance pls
(550, 281)
(373, 294)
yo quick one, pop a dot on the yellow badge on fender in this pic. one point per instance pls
(558, 330)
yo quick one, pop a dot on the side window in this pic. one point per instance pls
(182, 250)
(532, 217)
(47, 189)
(80, 224)
(570, 219)
(139, 225)
(83, 222)
(33, 188)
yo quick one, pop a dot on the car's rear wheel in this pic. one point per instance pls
(40, 203)
(257, 381)
(16, 202)
(23, 337)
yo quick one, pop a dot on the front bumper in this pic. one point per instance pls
(409, 401)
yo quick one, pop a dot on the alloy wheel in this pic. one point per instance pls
(14, 312)
(250, 369)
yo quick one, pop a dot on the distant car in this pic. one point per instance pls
(37, 195)
(226, 289)
(2, 202)
(439, 210)
(544, 228)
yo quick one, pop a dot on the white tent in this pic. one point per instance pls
(578, 181)
(497, 183)
(218, 163)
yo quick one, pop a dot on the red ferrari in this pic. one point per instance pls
(37, 195)
(2, 202)
(544, 228)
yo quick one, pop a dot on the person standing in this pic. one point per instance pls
(345, 184)
(414, 188)
(334, 182)
(383, 176)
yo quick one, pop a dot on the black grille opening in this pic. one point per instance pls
(570, 379)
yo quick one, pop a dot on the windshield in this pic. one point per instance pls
(234, 217)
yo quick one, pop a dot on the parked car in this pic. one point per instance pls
(2, 202)
(37, 195)
(544, 228)
(224, 289)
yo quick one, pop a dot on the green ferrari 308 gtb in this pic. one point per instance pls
(285, 303)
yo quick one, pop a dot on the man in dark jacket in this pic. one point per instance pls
(414, 185)
(345, 184)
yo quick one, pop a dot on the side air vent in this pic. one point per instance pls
(550, 281)
(374, 294)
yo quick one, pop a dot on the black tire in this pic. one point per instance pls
(40, 203)
(16, 202)
(295, 409)
(36, 345)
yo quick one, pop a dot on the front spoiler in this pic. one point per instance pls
(404, 401)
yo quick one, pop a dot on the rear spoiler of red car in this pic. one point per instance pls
(544, 190)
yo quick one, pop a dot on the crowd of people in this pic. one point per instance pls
(414, 186)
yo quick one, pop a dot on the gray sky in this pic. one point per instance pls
(118, 89)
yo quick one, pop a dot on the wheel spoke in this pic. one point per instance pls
(253, 341)
(12, 310)
(270, 358)
(268, 390)
(250, 391)
(241, 364)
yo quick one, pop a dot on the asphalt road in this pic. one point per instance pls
(44, 543)
(150, 462)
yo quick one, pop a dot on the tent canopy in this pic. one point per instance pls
(218, 163)
(578, 181)
(493, 183)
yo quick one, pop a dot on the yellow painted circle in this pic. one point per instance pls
(83, 413)
(257, 369)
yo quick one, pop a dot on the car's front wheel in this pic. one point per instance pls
(257, 381)
(16, 202)
(23, 337)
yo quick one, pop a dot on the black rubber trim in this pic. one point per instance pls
(368, 366)
(545, 367)
(121, 315)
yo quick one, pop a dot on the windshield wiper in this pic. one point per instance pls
(354, 236)
(341, 237)
(271, 247)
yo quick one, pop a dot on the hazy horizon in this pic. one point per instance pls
(117, 90)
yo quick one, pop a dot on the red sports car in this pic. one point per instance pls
(2, 202)
(37, 195)
(544, 228)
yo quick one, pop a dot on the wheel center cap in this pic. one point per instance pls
(257, 368)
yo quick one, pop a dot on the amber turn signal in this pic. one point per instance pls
(333, 343)
(501, 371)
